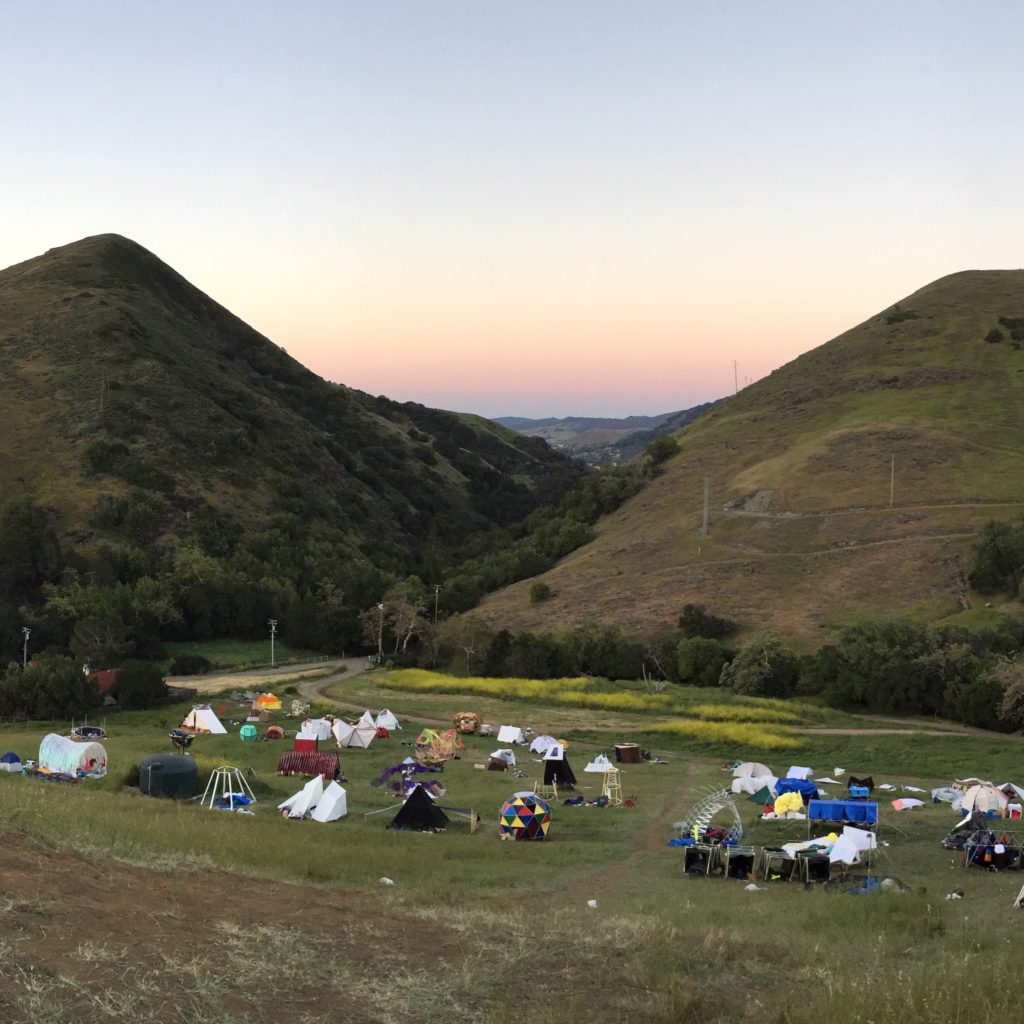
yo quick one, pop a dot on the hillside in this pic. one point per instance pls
(142, 416)
(928, 394)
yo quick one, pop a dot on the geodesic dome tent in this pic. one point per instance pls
(525, 816)
(62, 756)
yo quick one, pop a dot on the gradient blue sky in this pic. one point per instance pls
(526, 208)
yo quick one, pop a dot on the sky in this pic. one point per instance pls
(525, 209)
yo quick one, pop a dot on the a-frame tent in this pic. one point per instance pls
(419, 813)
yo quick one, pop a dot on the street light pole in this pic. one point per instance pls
(273, 633)
(380, 635)
(437, 590)
(24, 649)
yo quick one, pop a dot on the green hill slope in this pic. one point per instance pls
(143, 415)
(922, 404)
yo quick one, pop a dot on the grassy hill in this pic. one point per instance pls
(140, 412)
(849, 482)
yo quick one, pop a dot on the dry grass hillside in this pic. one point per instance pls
(804, 534)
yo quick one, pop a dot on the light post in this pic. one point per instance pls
(380, 635)
(24, 648)
(437, 590)
(273, 632)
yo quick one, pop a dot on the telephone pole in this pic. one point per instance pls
(273, 632)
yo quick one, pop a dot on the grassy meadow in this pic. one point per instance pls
(478, 916)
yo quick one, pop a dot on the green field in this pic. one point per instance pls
(473, 926)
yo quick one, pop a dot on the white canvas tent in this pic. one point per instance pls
(320, 728)
(63, 756)
(203, 719)
(358, 735)
(386, 720)
(367, 719)
(504, 755)
(541, 744)
(599, 765)
(332, 805)
(299, 805)
(982, 798)
(799, 772)
(753, 769)
(511, 734)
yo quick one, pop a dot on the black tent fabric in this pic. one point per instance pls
(559, 773)
(869, 782)
(965, 830)
(419, 813)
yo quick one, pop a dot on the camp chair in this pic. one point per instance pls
(813, 866)
(777, 864)
(702, 859)
(737, 861)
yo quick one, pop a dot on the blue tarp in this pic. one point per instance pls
(807, 789)
(852, 811)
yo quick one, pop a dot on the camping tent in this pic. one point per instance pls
(332, 805)
(524, 816)
(248, 733)
(502, 760)
(986, 799)
(751, 769)
(419, 813)
(62, 756)
(202, 719)
(359, 735)
(386, 720)
(599, 765)
(299, 805)
(318, 727)
(511, 734)
(268, 702)
(541, 744)
(558, 772)
(10, 762)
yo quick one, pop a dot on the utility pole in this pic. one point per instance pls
(24, 650)
(704, 525)
(273, 632)
(380, 635)
(437, 590)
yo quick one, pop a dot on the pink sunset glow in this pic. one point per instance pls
(544, 210)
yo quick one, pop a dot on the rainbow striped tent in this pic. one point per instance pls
(525, 816)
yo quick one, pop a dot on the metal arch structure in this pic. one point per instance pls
(707, 808)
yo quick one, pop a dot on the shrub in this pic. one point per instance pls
(190, 665)
(139, 684)
(539, 593)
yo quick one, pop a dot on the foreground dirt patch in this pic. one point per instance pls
(154, 945)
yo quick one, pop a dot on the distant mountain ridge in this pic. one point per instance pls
(605, 439)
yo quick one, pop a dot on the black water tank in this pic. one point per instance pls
(168, 775)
